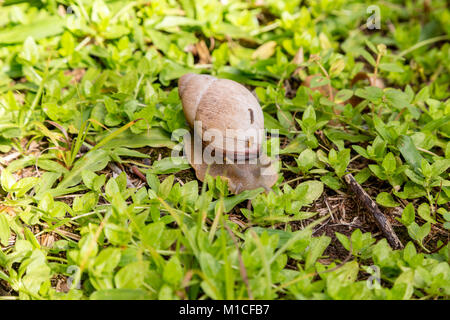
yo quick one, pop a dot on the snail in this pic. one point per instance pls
(228, 125)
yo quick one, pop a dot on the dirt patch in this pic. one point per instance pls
(76, 75)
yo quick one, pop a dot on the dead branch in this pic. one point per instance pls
(372, 207)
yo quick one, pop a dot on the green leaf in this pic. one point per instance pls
(92, 161)
(131, 276)
(391, 67)
(117, 235)
(88, 178)
(331, 181)
(166, 186)
(154, 137)
(169, 165)
(112, 188)
(405, 284)
(425, 212)
(343, 95)
(343, 239)
(436, 124)
(372, 94)
(416, 178)
(107, 260)
(439, 166)
(316, 249)
(341, 277)
(173, 272)
(22, 186)
(30, 51)
(309, 116)
(408, 215)
(5, 232)
(386, 200)
(128, 153)
(285, 118)
(363, 175)
(230, 202)
(315, 190)
(389, 163)
(152, 233)
(44, 28)
(318, 81)
(417, 232)
(380, 126)
(368, 57)
(409, 152)
(37, 271)
(306, 160)
(7, 180)
(52, 166)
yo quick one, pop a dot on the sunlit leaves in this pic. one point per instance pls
(63, 209)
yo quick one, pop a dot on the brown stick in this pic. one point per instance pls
(140, 175)
(372, 207)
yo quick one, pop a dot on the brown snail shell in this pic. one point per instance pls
(226, 107)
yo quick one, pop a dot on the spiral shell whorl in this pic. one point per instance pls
(190, 95)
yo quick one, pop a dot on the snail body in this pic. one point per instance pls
(229, 122)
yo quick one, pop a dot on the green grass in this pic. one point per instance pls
(89, 98)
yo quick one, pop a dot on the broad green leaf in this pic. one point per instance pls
(417, 232)
(409, 152)
(37, 272)
(439, 166)
(117, 235)
(173, 272)
(44, 28)
(230, 202)
(343, 95)
(154, 137)
(152, 233)
(5, 232)
(22, 186)
(386, 200)
(166, 186)
(169, 165)
(389, 163)
(408, 215)
(131, 276)
(93, 161)
(316, 249)
(315, 190)
(7, 180)
(425, 213)
(391, 67)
